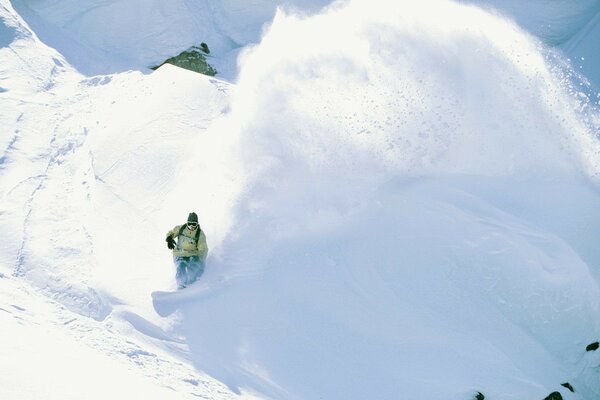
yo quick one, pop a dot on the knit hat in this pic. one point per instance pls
(193, 217)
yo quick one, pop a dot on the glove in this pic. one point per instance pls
(170, 242)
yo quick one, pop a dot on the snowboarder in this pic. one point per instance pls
(188, 243)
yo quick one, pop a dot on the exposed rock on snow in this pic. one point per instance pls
(554, 396)
(568, 386)
(592, 346)
(193, 59)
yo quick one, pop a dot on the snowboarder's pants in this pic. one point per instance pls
(188, 270)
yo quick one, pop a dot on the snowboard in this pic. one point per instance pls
(167, 302)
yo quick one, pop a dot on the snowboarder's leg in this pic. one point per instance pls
(181, 274)
(191, 272)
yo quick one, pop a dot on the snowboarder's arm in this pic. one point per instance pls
(174, 232)
(171, 235)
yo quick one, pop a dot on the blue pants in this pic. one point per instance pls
(188, 270)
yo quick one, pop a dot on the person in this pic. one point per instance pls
(188, 243)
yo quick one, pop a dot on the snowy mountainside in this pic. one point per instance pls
(49, 352)
(102, 37)
(400, 205)
(418, 214)
(65, 143)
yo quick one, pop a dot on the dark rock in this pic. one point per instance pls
(204, 48)
(554, 396)
(568, 386)
(192, 59)
(479, 396)
(592, 347)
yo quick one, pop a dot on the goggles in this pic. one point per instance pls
(192, 224)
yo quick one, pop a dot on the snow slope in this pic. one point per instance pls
(419, 219)
(48, 352)
(64, 140)
(100, 36)
(405, 206)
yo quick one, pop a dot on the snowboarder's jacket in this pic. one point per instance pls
(189, 243)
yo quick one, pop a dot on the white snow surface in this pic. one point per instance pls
(405, 206)
(107, 36)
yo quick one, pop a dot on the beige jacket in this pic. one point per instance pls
(186, 244)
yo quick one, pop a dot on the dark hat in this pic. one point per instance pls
(192, 217)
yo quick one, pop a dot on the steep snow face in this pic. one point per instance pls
(29, 72)
(68, 142)
(110, 36)
(27, 64)
(418, 217)
(152, 157)
(102, 37)
(71, 271)
(9, 29)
